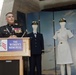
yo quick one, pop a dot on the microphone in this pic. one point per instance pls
(24, 33)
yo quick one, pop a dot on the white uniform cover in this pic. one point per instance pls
(63, 49)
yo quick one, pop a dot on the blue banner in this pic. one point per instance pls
(15, 45)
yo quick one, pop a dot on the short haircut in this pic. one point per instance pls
(9, 13)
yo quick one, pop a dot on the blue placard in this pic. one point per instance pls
(15, 45)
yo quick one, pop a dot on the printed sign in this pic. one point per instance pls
(15, 45)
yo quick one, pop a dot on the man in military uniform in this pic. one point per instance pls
(37, 45)
(10, 30)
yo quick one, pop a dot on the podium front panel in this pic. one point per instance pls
(8, 51)
(8, 67)
(15, 46)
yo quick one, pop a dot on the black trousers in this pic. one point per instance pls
(35, 61)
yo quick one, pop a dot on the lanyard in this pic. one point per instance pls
(9, 30)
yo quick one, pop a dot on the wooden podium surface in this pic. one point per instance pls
(17, 55)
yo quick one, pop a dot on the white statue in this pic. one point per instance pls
(63, 51)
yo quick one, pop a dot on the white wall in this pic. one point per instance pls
(25, 6)
(7, 7)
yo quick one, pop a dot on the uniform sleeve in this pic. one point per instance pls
(70, 34)
(42, 42)
(27, 35)
(55, 36)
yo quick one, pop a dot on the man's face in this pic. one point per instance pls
(10, 19)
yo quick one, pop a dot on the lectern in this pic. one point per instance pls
(15, 49)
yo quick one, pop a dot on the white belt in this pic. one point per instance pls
(61, 42)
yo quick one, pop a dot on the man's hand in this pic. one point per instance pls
(13, 36)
